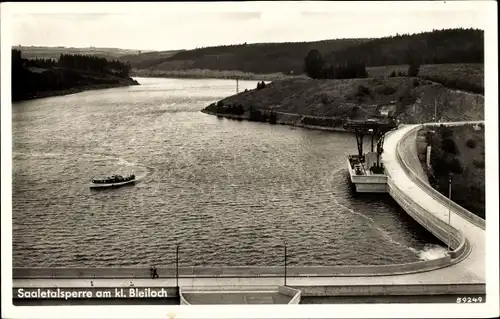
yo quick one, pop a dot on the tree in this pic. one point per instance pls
(414, 64)
(413, 69)
(272, 117)
(314, 64)
(354, 111)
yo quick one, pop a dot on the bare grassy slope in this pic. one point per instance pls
(463, 76)
(337, 98)
(449, 105)
(148, 59)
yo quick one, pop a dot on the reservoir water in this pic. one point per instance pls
(228, 192)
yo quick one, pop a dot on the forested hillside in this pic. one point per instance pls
(287, 58)
(148, 59)
(35, 78)
(436, 47)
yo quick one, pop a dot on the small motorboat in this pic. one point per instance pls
(112, 181)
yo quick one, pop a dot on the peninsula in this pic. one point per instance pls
(37, 78)
(329, 102)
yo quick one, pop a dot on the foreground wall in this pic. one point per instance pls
(235, 272)
(392, 290)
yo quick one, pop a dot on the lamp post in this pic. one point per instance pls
(285, 263)
(177, 265)
(435, 111)
(449, 211)
(372, 132)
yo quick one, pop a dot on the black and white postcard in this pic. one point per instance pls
(249, 159)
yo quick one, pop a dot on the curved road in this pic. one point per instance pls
(472, 268)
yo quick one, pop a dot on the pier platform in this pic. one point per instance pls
(363, 178)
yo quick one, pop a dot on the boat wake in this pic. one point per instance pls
(140, 175)
(140, 171)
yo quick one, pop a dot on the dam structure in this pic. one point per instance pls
(461, 272)
(407, 183)
(366, 170)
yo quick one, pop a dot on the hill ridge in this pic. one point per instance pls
(457, 45)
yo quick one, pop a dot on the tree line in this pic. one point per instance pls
(260, 58)
(94, 63)
(62, 74)
(316, 67)
(436, 47)
(74, 61)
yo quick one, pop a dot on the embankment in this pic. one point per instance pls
(296, 120)
(459, 150)
(329, 103)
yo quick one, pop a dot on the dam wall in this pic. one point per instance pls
(407, 155)
(407, 152)
(391, 290)
(408, 185)
(437, 227)
(236, 272)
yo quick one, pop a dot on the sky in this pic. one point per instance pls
(171, 26)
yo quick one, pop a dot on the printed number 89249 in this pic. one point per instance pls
(469, 299)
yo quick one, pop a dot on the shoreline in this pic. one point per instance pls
(214, 75)
(281, 122)
(74, 90)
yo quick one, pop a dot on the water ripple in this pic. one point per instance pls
(229, 192)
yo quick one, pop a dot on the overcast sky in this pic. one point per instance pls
(164, 26)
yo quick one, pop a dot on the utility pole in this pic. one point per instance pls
(449, 211)
(285, 264)
(177, 265)
(373, 134)
(237, 86)
(435, 110)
